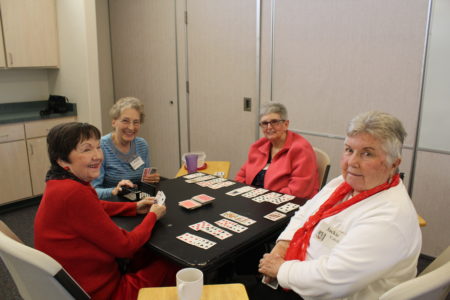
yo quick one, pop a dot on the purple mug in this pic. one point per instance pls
(191, 163)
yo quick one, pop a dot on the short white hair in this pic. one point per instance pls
(382, 126)
(274, 108)
(124, 103)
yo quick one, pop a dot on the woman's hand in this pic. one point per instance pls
(270, 264)
(143, 206)
(151, 178)
(159, 210)
(123, 182)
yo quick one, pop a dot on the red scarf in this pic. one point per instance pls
(300, 241)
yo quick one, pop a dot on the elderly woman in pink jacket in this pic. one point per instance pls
(281, 161)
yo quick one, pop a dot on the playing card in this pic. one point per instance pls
(258, 199)
(288, 197)
(288, 207)
(274, 216)
(189, 204)
(254, 193)
(160, 198)
(210, 182)
(230, 225)
(145, 195)
(273, 282)
(196, 240)
(198, 226)
(216, 231)
(266, 197)
(131, 196)
(240, 190)
(193, 175)
(203, 198)
(238, 218)
(145, 172)
(200, 178)
(221, 185)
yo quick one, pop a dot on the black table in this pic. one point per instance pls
(177, 220)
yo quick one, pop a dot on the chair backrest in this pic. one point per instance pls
(442, 259)
(323, 165)
(36, 275)
(432, 284)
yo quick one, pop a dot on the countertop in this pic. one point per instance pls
(19, 112)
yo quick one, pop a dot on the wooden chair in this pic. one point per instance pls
(323, 165)
(36, 275)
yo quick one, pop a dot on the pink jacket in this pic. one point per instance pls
(292, 171)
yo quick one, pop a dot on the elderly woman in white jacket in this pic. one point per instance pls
(359, 236)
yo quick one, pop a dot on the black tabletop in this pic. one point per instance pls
(177, 221)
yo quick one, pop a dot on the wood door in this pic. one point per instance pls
(2, 48)
(15, 181)
(39, 163)
(30, 33)
(144, 63)
(222, 70)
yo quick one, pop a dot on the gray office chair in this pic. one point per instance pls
(323, 165)
(36, 275)
(432, 284)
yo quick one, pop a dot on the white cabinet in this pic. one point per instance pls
(29, 33)
(24, 159)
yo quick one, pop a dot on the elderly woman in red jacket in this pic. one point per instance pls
(281, 161)
(74, 227)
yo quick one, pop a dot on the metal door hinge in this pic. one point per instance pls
(187, 87)
(185, 17)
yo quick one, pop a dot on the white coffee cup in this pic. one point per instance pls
(189, 284)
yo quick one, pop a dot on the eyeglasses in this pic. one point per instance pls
(127, 122)
(273, 123)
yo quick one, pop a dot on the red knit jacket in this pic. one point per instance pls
(74, 227)
(293, 169)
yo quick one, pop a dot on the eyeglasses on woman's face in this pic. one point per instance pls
(127, 122)
(273, 123)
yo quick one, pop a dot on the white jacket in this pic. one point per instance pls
(358, 253)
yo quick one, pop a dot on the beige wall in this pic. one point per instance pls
(78, 75)
(19, 85)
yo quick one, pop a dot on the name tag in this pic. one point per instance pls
(329, 235)
(136, 163)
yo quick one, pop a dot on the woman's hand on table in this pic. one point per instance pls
(151, 178)
(123, 182)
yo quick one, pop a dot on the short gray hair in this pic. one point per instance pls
(382, 126)
(124, 103)
(274, 108)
